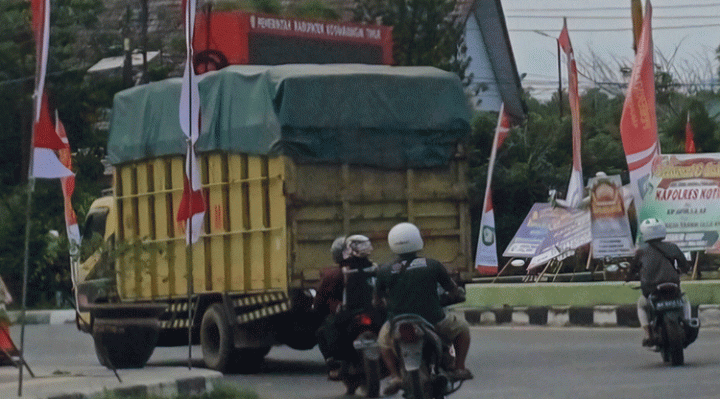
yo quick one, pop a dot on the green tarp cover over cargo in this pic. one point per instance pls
(391, 117)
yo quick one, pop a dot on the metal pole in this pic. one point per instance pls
(28, 225)
(560, 96)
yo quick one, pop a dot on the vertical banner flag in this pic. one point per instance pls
(575, 186)
(45, 162)
(68, 187)
(486, 260)
(689, 137)
(192, 204)
(638, 124)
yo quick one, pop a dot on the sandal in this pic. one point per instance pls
(393, 386)
(460, 375)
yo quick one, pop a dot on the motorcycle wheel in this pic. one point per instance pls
(372, 377)
(675, 339)
(416, 386)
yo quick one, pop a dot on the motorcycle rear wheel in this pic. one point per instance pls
(372, 377)
(416, 386)
(675, 339)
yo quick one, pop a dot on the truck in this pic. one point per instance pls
(291, 157)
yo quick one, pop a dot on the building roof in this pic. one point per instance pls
(492, 61)
(114, 63)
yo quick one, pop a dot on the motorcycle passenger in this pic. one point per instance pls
(405, 286)
(656, 261)
(345, 291)
(327, 302)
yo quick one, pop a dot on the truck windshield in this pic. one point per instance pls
(93, 232)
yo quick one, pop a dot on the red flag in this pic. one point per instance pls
(486, 260)
(689, 137)
(192, 204)
(575, 186)
(638, 125)
(68, 188)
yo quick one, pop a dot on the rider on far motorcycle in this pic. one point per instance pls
(409, 285)
(343, 292)
(657, 262)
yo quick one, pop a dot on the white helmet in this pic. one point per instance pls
(405, 238)
(652, 229)
(357, 246)
(337, 248)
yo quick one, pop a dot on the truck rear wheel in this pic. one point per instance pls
(124, 344)
(216, 338)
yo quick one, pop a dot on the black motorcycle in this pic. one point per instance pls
(361, 365)
(671, 332)
(426, 361)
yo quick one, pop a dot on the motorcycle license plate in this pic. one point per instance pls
(669, 304)
(411, 355)
(368, 347)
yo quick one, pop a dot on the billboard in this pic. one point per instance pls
(611, 234)
(240, 38)
(549, 232)
(684, 192)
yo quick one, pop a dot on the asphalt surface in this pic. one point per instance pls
(66, 367)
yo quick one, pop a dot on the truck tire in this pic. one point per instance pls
(216, 339)
(124, 344)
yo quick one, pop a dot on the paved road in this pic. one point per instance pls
(531, 363)
(508, 362)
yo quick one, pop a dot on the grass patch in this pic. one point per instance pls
(221, 391)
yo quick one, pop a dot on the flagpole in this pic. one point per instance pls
(189, 28)
(31, 188)
(40, 71)
(189, 254)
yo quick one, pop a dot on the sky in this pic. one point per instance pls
(686, 33)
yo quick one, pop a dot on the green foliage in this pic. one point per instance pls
(314, 9)
(267, 6)
(425, 32)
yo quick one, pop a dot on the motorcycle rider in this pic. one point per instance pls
(657, 262)
(407, 285)
(343, 290)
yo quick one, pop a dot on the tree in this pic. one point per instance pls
(425, 32)
(78, 110)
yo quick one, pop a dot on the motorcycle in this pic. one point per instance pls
(426, 361)
(671, 331)
(361, 363)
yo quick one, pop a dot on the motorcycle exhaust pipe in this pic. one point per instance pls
(694, 322)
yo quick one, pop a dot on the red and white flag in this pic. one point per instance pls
(575, 186)
(45, 140)
(486, 259)
(689, 137)
(68, 188)
(192, 204)
(638, 124)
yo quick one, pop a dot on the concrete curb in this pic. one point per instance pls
(569, 316)
(167, 388)
(62, 316)
(598, 316)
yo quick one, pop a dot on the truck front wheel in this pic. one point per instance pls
(216, 338)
